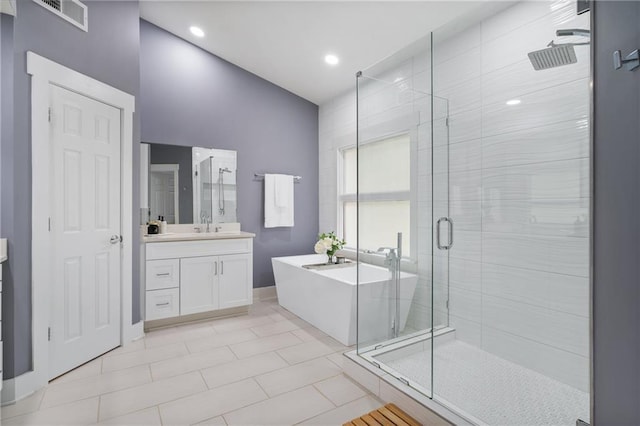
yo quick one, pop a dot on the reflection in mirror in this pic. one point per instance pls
(214, 197)
(189, 185)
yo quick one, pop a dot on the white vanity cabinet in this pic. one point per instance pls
(199, 289)
(189, 277)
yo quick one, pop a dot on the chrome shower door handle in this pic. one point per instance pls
(450, 243)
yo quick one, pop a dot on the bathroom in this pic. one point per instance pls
(509, 273)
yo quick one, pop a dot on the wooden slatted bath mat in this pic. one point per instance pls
(389, 415)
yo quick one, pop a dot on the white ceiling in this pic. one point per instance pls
(285, 42)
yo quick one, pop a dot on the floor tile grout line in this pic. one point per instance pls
(322, 393)
(164, 402)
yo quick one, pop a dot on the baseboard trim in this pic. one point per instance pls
(19, 387)
(137, 331)
(191, 318)
(265, 293)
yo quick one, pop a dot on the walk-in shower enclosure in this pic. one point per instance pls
(472, 171)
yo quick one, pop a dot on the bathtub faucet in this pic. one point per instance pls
(390, 256)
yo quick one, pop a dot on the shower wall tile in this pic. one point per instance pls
(468, 331)
(447, 47)
(466, 246)
(558, 329)
(562, 293)
(552, 105)
(462, 185)
(419, 317)
(463, 157)
(559, 141)
(465, 304)
(465, 274)
(551, 217)
(567, 179)
(561, 255)
(566, 367)
(464, 126)
(520, 79)
(457, 70)
(467, 214)
(462, 97)
(513, 18)
(422, 62)
(422, 82)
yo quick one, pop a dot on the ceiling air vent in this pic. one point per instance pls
(70, 10)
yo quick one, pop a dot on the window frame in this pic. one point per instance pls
(408, 195)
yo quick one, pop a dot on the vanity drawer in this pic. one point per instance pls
(163, 273)
(162, 303)
(173, 249)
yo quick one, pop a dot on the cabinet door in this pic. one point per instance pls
(236, 280)
(198, 284)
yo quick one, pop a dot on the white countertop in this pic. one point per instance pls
(3, 250)
(195, 236)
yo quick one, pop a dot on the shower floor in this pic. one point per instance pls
(491, 389)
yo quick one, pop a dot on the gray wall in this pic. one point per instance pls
(181, 155)
(616, 237)
(190, 97)
(109, 52)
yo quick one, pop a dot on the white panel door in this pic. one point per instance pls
(198, 284)
(236, 280)
(85, 137)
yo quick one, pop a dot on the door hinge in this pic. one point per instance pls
(447, 304)
(49, 224)
(49, 114)
(446, 121)
(49, 334)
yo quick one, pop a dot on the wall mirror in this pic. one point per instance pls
(188, 184)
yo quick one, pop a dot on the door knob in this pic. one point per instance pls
(115, 239)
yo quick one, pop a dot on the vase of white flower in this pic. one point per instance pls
(329, 244)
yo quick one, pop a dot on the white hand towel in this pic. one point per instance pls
(283, 190)
(278, 201)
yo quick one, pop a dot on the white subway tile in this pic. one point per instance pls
(559, 141)
(562, 293)
(563, 366)
(560, 330)
(553, 217)
(569, 101)
(562, 255)
(567, 179)
(465, 304)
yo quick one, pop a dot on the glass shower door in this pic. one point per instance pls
(392, 211)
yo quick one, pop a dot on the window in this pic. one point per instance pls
(385, 188)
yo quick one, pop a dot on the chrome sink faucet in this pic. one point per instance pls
(206, 219)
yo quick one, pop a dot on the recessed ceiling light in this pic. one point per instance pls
(331, 59)
(196, 31)
(513, 102)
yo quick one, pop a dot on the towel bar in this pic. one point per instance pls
(261, 176)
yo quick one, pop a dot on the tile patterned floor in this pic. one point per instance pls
(265, 368)
(494, 390)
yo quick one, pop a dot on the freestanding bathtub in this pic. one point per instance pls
(326, 298)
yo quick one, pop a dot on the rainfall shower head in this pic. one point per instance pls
(556, 55)
(553, 56)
